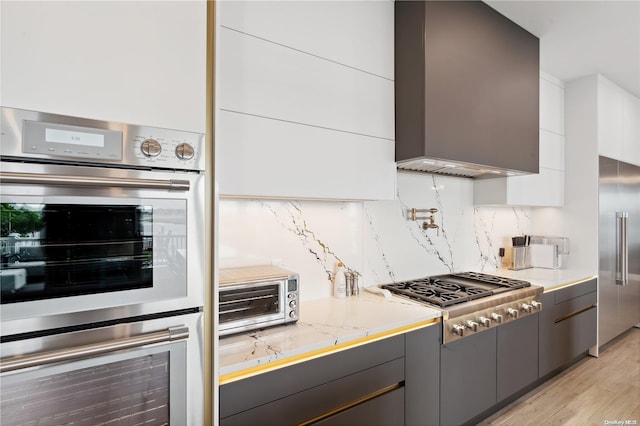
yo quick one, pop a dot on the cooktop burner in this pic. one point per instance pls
(452, 289)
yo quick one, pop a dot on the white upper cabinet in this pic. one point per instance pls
(133, 62)
(618, 122)
(547, 187)
(631, 128)
(304, 99)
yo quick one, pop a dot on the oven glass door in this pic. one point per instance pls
(142, 386)
(110, 251)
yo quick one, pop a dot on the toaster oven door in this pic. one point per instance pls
(248, 306)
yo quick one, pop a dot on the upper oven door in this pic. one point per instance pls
(84, 244)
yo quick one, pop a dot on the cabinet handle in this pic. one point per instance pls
(51, 357)
(622, 249)
(573, 314)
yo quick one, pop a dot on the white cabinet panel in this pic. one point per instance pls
(551, 105)
(631, 129)
(354, 33)
(265, 79)
(610, 116)
(135, 62)
(259, 157)
(544, 189)
(551, 150)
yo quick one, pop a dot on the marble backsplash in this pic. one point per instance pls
(375, 238)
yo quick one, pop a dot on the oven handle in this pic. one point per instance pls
(93, 182)
(85, 351)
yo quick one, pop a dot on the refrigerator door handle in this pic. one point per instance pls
(622, 249)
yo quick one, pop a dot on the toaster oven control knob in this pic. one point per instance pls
(471, 325)
(496, 317)
(150, 148)
(292, 314)
(292, 304)
(484, 321)
(184, 151)
(536, 305)
(525, 307)
(457, 329)
(512, 312)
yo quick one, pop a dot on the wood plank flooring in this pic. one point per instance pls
(594, 391)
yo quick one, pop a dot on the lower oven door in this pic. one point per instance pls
(148, 372)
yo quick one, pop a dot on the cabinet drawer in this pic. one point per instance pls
(387, 409)
(567, 328)
(575, 291)
(314, 401)
(254, 391)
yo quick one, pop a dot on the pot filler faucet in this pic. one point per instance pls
(429, 221)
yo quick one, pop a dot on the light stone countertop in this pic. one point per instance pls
(327, 324)
(550, 279)
(324, 324)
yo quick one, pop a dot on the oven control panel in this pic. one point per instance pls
(38, 135)
(485, 319)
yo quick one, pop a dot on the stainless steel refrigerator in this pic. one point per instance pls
(619, 248)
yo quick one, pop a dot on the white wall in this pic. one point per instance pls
(373, 237)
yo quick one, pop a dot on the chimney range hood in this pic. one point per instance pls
(466, 91)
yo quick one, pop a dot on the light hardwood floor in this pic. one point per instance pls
(594, 391)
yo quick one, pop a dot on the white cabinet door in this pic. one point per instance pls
(305, 100)
(631, 129)
(353, 33)
(610, 118)
(268, 80)
(260, 157)
(551, 104)
(134, 62)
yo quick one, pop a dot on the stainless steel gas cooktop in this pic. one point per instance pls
(471, 301)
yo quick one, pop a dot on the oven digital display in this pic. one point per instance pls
(74, 138)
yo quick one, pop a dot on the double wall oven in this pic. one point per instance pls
(102, 272)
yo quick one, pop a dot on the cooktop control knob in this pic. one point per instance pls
(458, 329)
(484, 321)
(185, 151)
(512, 312)
(536, 305)
(496, 317)
(525, 307)
(471, 325)
(150, 147)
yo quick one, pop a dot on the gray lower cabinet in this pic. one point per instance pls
(517, 356)
(568, 325)
(365, 385)
(468, 377)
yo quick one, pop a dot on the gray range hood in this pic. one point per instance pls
(467, 90)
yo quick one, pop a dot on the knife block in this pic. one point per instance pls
(520, 258)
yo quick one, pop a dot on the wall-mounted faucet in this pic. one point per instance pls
(429, 221)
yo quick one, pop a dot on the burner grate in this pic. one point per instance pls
(447, 290)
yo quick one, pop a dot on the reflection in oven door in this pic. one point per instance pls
(126, 374)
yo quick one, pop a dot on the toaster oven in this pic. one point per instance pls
(255, 297)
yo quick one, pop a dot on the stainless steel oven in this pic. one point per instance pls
(147, 372)
(102, 272)
(99, 221)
